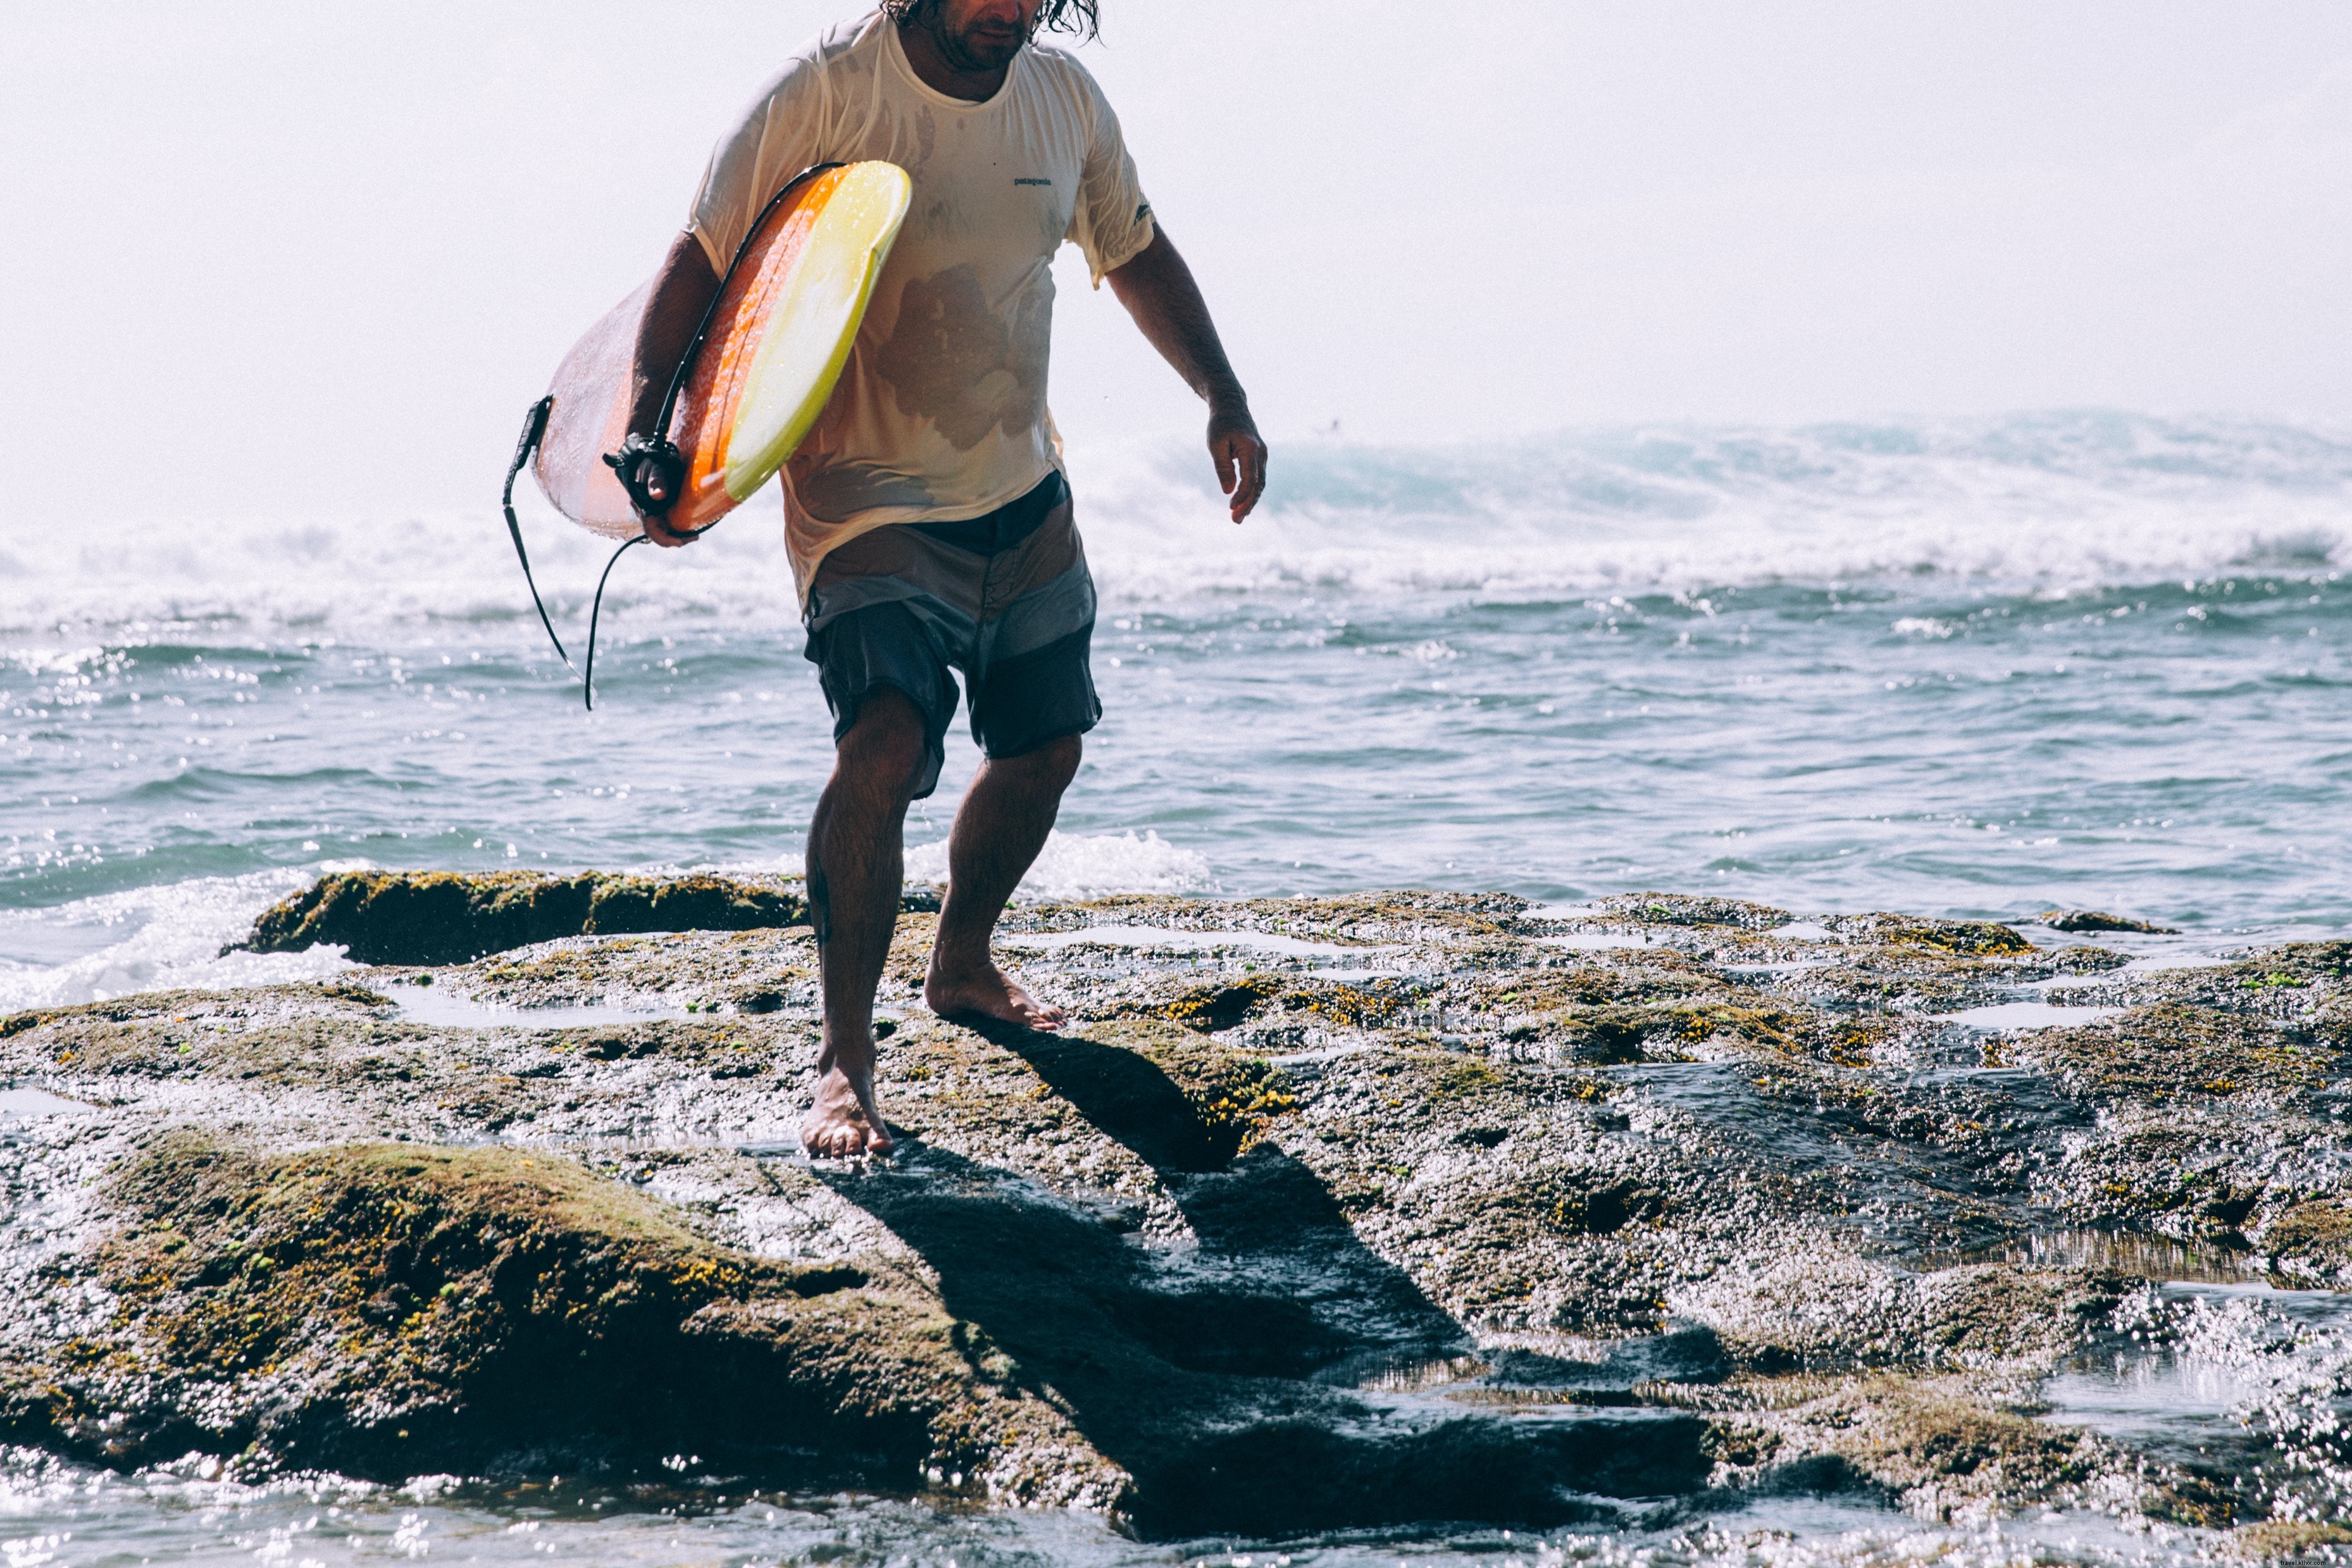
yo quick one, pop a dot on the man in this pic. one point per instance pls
(928, 516)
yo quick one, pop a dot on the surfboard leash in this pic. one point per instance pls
(595, 613)
(628, 464)
(534, 426)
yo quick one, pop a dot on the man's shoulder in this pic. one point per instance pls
(1064, 71)
(833, 56)
(859, 34)
(1054, 58)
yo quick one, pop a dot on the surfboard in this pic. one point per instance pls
(777, 341)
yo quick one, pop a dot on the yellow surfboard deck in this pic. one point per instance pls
(778, 341)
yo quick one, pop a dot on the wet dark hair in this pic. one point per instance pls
(1054, 17)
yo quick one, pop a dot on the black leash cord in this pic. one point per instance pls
(597, 611)
(534, 427)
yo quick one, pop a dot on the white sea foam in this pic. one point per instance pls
(150, 939)
(2057, 501)
(1078, 866)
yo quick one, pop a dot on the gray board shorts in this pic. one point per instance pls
(1004, 598)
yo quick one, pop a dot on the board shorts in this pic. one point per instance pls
(1004, 598)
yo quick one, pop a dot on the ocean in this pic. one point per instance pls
(1975, 669)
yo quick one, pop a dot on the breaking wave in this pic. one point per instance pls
(2063, 500)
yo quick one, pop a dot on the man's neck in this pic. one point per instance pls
(927, 52)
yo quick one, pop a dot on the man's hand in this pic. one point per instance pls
(1239, 454)
(1159, 291)
(650, 469)
(656, 481)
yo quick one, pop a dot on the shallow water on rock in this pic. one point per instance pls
(1181, 941)
(2027, 1015)
(444, 1009)
(1597, 941)
(52, 1513)
(23, 1104)
(2142, 1256)
(2243, 1384)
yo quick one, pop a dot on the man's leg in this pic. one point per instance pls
(855, 861)
(998, 829)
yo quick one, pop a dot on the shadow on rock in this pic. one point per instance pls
(1217, 1377)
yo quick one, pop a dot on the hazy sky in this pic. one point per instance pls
(269, 257)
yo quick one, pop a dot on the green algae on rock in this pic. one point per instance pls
(364, 1305)
(442, 917)
(2098, 921)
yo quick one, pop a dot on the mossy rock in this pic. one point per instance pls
(2314, 1233)
(443, 916)
(1211, 1009)
(2299, 964)
(2287, 1540)
(1990, 1314)
(387, 1309)
(1966, 939)
(1924, 1437)
(33, 1404)
(1689, 909)
(2088, 959)
(2080, 921)
(2175, 1051)
(1182, 1102)
(626, 905)
(425, 917)
(1617, 1035)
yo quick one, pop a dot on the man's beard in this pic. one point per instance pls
(968, 55)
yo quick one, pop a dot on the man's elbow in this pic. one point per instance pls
(1146, 269)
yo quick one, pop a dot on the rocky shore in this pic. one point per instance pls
(1321, 1212)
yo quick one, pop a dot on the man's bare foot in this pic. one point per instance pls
(991, 993)
(846, 1122)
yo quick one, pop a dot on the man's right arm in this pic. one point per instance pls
(682, 292)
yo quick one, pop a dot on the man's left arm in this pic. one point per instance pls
(1159, 291)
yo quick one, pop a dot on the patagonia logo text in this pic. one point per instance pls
(1031, 181)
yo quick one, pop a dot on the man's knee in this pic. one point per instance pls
(1050, 766)
(889, 746)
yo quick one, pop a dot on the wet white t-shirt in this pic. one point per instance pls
(940, 415)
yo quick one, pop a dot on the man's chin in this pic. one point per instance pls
(987, 53)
